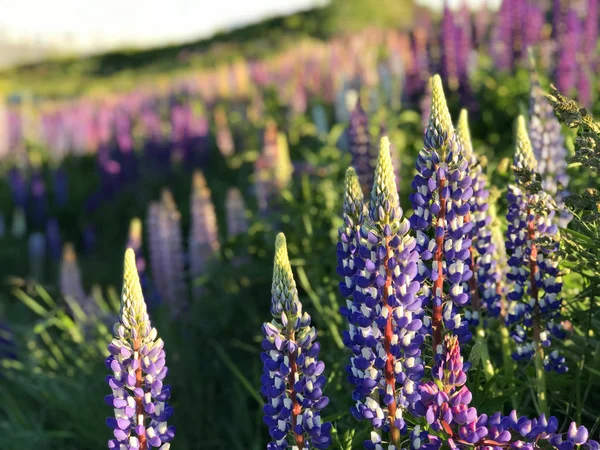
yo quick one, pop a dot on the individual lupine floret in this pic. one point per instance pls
(293, 378)
(137, 360)
(532, 248)
(359, 145)
(235, 208)
(441, 194)
(482, 263)
(385, 314)
(203, 241)
(546, 140)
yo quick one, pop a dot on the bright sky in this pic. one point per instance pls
(86, 24)
(137, 22)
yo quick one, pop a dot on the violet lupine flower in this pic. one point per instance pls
(353, 214)
(444, 406)
(483, 284)
(203, 241)
(89, 238)
(60, 187)
(293, 378)
(567, 66)
(442, 190)
(532, 248)
(384, 311)
(547, 142)
(18, 188)
(235, 209)
(166, 253)
(359, 145)
(53, 239)
(38, 202)
(450, 69)
(590, 29)
(137, 360)
(502, 37)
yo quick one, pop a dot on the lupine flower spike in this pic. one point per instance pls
(385, 310)
(441, 201)
(293, 378)
(483, 283)
(204, 233)
(137, 360)
(532, 248)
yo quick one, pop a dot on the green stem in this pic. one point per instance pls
(509, 368)
(486, 362)
(540, 375)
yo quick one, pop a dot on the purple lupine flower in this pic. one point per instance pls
(584, 83)
(532, 23)
(590, 30)
(203, 241)
(38, 202)
(384, 311)
(502, 37)
(359, 145)
(449, 67)
(53, 239)
(483, 284)
(18, 188)
(353, 214)
(442, 190)
(567, 66)
(293, 378)
(444, 406)
(235, 209)
(532, 248)
(166, 253)
(547, 141)
(60, 186)
(137, 360)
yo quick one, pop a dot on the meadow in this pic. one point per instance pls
(385, 238)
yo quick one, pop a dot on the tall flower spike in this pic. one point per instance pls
(348, 233)
(203, 241)
(235, 208)
(137, 360)
(71, 285)
(442, 190)
(359, 144)
(532, 247)
(384, 311)
(548, 144)
(482, 263)
(293, 379)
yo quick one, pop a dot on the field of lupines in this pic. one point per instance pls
(329, 248)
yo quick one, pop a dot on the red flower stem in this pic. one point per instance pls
(390, 376)
(139, 404)
(438, 285)
(296, 408)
